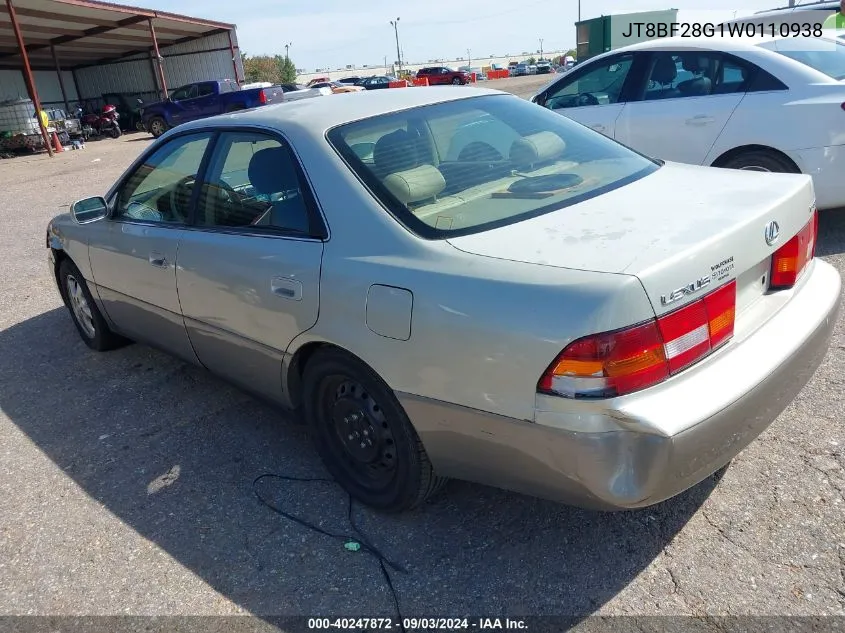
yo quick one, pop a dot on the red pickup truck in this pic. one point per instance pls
(442, 75)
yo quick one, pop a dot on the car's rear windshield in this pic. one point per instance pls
(828, 58)
(470, 165)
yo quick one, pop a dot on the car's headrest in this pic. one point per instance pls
(416, 184)
(395, 152)
(665, 70)
(537, 148)
(271, 170)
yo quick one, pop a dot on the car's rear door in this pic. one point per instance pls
(683, 106)
(133, 252)
(595, 94)
(249, 267)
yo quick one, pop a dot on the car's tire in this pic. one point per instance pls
(89, 322)
(157, 126)
(457, 81)
(760, 160)
(363, 435)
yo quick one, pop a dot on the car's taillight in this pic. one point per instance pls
(616, 363)
(790, 260)
(262, 97)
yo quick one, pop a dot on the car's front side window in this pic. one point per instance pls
(602, 84)
(253, 181)
(464, 166)
(160, 189)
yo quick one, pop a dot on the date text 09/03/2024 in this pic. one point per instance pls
(708, 29)
(417, 624)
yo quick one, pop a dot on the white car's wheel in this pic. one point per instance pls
(761, 160)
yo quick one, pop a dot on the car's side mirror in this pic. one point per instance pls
(89, 210)
(539, 99)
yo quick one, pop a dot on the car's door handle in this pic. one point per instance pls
(286, 288)
(158, 260)
(598, 127)
(701, 119)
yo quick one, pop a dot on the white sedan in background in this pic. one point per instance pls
(768, 104)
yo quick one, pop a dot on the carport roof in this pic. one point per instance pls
(86, 32)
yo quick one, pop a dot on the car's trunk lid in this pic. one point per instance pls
(681, 230)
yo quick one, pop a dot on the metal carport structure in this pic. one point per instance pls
(76, 35)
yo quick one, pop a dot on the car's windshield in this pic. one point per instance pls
(470, 165)
(828, 58)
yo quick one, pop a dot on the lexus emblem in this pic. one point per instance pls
(772, 232)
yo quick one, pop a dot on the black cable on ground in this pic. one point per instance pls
(358, 535)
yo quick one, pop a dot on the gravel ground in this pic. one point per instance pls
(126, 486)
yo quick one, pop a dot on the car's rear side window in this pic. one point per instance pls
(469, 165)
(828, 59)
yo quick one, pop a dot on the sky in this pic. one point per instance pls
(331, 34)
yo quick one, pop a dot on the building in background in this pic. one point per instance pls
(609, 32)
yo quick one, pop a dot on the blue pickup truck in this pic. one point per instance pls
(204, 99)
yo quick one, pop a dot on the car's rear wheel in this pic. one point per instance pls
(363, 435)
(761, 160)
(86, 316)
(157, 126)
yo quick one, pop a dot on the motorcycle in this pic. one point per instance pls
(103, 123)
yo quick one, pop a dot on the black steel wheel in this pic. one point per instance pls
(363, 435)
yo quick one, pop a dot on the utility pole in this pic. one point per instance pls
(579, 10)
(541, 48)
(469, 60)
(395, 25)
(287, 46)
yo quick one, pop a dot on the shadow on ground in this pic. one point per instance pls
(831, 232)
(173, 453)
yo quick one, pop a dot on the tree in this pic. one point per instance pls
(531, 60)
(276, 69)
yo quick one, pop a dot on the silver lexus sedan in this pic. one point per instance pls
(454, 282)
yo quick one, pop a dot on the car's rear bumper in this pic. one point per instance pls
(826, 165)
(624, 460)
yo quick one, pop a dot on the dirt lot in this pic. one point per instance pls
(126, 486)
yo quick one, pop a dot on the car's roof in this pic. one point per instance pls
(716, 43)
(322, 113)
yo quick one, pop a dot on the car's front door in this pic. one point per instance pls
(683, 107)
(249, 267)
(595, 95)
(181, 100)
(133, 252)
(206, 103)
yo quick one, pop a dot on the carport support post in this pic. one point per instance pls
(27, 75)
(61, 80)
(234, 60)
(158, 59)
